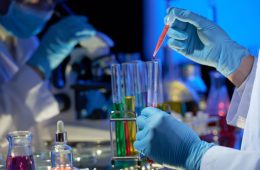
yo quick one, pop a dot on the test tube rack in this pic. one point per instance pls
(136, 157)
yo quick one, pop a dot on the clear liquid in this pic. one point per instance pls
(20, 163)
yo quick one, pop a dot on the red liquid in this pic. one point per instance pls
(161, 38)
(127, 138)
(20, 163)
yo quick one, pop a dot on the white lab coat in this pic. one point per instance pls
(244, 113)
(24, 96)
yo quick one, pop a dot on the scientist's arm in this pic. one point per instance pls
(241, 74)
(204, 42)
(58, 42)
(170, 142)
(25, 99)
(219, 157)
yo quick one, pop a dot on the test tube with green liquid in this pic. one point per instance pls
(118, 109)
(129, 101)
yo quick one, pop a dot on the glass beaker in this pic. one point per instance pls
(20, 151)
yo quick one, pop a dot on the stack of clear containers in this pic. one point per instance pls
(135, 85)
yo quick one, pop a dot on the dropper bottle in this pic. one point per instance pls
(61, 153)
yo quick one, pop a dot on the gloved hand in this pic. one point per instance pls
(168, 141)
(58, 42)
(204, 42)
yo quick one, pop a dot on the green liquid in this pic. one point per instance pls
(119, 130)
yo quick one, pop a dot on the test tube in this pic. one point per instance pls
(129, 98)
(154, 88)
(117, 107)
(140, 80)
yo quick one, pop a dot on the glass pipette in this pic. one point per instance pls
(170, 20)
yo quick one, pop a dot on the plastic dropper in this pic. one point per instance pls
(170, 20)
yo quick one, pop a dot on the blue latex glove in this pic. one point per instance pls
(204, 42)
(24, 22)
(168, 141)
(59, 41)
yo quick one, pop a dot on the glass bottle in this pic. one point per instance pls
(20, 151)
(61, 153)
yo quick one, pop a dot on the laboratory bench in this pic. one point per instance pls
(90, 140)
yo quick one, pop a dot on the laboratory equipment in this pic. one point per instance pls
(118, 110)
(169, 22)
(20, 151)
(154, 87)
(61, 153)
(129, 101)
(154, 84)
(217, 106)
(135, 85)
(123, 117)
(140, 81)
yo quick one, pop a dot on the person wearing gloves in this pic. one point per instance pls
(168, 141)
(26, 63)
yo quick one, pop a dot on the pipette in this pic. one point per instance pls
(170, 20)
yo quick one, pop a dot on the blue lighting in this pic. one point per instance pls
(240, 19)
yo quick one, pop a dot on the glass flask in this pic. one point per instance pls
(217, 106)
(218, 99)
(20, 151)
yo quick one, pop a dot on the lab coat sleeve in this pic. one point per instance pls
(218, 157)
(27, 99)
(240, 102)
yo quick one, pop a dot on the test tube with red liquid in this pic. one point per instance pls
(169, 21)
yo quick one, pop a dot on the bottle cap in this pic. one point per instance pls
(61, 134)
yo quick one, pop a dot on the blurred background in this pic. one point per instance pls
(135, 25)
(128, 31)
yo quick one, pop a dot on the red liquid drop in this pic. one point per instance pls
(20, 163)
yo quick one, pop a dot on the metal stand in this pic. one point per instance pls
(134, 158)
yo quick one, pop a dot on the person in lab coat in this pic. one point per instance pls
(26, 63)
(168, 141)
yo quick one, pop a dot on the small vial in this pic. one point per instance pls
(61, 153)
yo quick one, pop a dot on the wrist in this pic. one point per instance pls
(195, 155)
(240, 75)
(39, 61)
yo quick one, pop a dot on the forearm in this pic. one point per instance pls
(29, 94)
(240, 75)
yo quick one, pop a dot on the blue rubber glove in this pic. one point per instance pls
(204, 42)
(59, 41)
(168, 141)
